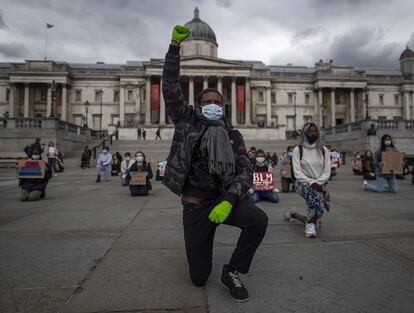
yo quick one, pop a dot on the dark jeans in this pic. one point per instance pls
(199, 236)
(285, 184)
(51, 162)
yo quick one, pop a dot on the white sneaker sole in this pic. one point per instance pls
(237, 300)
(310, 235)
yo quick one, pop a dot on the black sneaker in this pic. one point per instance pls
(98, 179)
(233, 283)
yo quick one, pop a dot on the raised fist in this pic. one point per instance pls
(180, 33)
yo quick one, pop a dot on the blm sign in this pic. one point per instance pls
(262, 181)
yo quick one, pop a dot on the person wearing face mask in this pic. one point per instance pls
(35, 189)
(262, 166)
(125, 166)
(116, 164)
(209, 168)
(383, 182)
(312, 170)
(103, 163)
(368, 170)
(286, 178)
(141, 165)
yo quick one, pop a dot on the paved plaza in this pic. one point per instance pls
(92, 248)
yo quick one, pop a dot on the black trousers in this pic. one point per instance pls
(199, 236)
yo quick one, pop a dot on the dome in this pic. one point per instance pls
(200, 30)
(407, 54)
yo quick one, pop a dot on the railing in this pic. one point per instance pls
(104, 140)
(387, 124)
(409, 124)
(28, 123)
(291, 134)
(341, 129)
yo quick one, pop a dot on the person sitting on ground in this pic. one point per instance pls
(33, 189)
(86, 157)
(209, 168)
(116, 164)
(384, 182)
(261, 166)
(357, 164)
(368, 169)
(286, 178)
(125, 166)
(140, 166)
(312, 169)
(252, 155)
(103, 163)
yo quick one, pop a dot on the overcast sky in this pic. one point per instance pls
(350, 32)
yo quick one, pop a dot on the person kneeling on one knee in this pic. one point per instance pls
(209, 168)
(35, 189)
(140, 166)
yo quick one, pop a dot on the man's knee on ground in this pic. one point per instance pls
(35, 195)
(24, 195)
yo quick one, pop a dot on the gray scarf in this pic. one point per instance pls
(215, 144)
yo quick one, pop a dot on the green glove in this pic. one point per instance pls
(220, 212)
(180, 33)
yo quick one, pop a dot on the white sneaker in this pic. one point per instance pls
(310, 231)
(365, 183)
(288, 216)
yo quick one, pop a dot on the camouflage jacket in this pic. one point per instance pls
(188, 129)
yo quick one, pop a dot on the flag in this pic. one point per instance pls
(49, 25)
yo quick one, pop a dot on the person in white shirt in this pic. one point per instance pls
(52, 155)
(125, 166)
(312, 170)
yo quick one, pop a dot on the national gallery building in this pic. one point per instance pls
(255, 95)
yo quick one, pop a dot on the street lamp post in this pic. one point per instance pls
(86, 111)
(294, 110)
(366, 103)
(100, 91)
(53, 89)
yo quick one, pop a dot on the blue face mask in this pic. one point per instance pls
(35, 157)
(387, 142)
(212, 111)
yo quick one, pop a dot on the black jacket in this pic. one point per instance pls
(188, 129)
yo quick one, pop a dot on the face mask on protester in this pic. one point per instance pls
(387, 142)
(290, 154)
(105, 151)
(139, 158)
(35, 157)
(127, 158)
(311, 139)
(260, 159)
(212, 111)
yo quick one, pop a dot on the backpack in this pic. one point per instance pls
(301, 156)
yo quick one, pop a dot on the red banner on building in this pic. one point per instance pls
(240, 98)
(155, 97)
(262, 181)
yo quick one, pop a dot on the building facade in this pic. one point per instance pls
(255, 94)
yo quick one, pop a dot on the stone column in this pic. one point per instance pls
(364, 105)
(49, 101)
(148, 101)
(138, 101)
(122, 104)
(205, 82)
(406, 105)
(268, 106)
(352, 104)
(162, 105)
(11, 101)
(233, 102)
(191, 90)
(248, 101)
(333, 108)
(220, 84)
(64, 115)
(320, 108)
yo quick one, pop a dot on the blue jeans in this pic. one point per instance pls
(264, 195)
(382, 183)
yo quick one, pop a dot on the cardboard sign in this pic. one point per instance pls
(287, 169)
(393, 163)
(262, 181)
(138, 179)
(31, 169)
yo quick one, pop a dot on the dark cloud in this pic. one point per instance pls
(306, 34)
(13, 50)
(2, 22)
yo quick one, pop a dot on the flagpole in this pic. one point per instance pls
(46, 43)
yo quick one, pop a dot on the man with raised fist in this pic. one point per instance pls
(209, 168)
